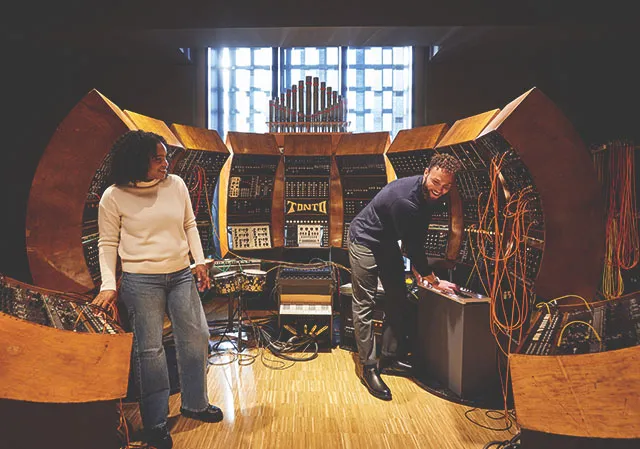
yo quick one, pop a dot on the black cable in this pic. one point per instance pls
(508, 418)
(513, 443)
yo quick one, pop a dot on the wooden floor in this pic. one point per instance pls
(321, 404)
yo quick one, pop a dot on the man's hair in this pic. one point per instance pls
(445, 162)
(131, 154)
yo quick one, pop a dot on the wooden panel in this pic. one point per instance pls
(43, 364)
(199, 139)
(572, 202)
(153, 125)
(336, 206)
(252, 143)
(59, 191)
(223, 191)
(467, 129)
(307, 145)
(589, 395)
(421, 138)
(305, 299)
(277, 207)
(335, 138)
(363, 143)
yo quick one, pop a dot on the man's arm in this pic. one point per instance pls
(412, 228)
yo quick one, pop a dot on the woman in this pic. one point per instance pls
(146, 217)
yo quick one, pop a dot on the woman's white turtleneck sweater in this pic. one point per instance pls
(151, 226)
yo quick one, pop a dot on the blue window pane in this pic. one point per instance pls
(379, 88)
(239, 98)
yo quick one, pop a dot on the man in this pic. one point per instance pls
(400, 211)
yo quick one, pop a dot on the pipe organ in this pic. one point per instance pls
(309, 106)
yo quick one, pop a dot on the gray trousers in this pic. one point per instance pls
(366, 267)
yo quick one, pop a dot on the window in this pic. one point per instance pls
(240, 89)
(376, 82)
(379, 88)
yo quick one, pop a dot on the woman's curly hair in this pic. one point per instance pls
(445, 162)
(131, 154)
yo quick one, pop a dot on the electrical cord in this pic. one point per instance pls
(508, 417)
(513, 443)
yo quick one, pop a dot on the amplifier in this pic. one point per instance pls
(305, 281)
(305, 301)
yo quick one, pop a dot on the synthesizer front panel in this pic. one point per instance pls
(200, 171)
(249, 202)
(578, 330)
(362, 177)
(307, 200)
(56, 310)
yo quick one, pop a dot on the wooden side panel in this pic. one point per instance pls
(223, 192)
(335, 138)
(153, 125)
(252, 143)
(43, 364)
(363, 143)
(587, 395)
(467, 129)
(199, 138)
(388, 167)
(307, 145)
(305, 299)
(421, 138)
(277, 207)
(571, 197)
(59, 191)
(336, 206)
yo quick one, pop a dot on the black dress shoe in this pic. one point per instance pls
(210, 414)
(159, 438)
(395, 367)
(376, 386)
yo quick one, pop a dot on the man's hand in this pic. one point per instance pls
(202, 275)
(445, 286)
(105, 299)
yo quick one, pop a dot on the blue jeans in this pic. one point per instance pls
(146, 297)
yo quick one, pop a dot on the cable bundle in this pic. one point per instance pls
(616, 171)
(198, 177)
(502, 271)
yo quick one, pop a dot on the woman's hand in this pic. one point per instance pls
(202, 275)
(105, 299)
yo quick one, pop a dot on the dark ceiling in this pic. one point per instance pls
(156, 29)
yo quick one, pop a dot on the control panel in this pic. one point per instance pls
(362, 177)
(200, 171)
(249, 237)
(306, 193)
(56, 310)
(578, 330)
(249, 201)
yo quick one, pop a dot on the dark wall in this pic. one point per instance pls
(41, 84)
(591, 81)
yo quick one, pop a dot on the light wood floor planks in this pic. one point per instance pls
(321, 404)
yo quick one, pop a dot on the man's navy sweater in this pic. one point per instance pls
(398, 212)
